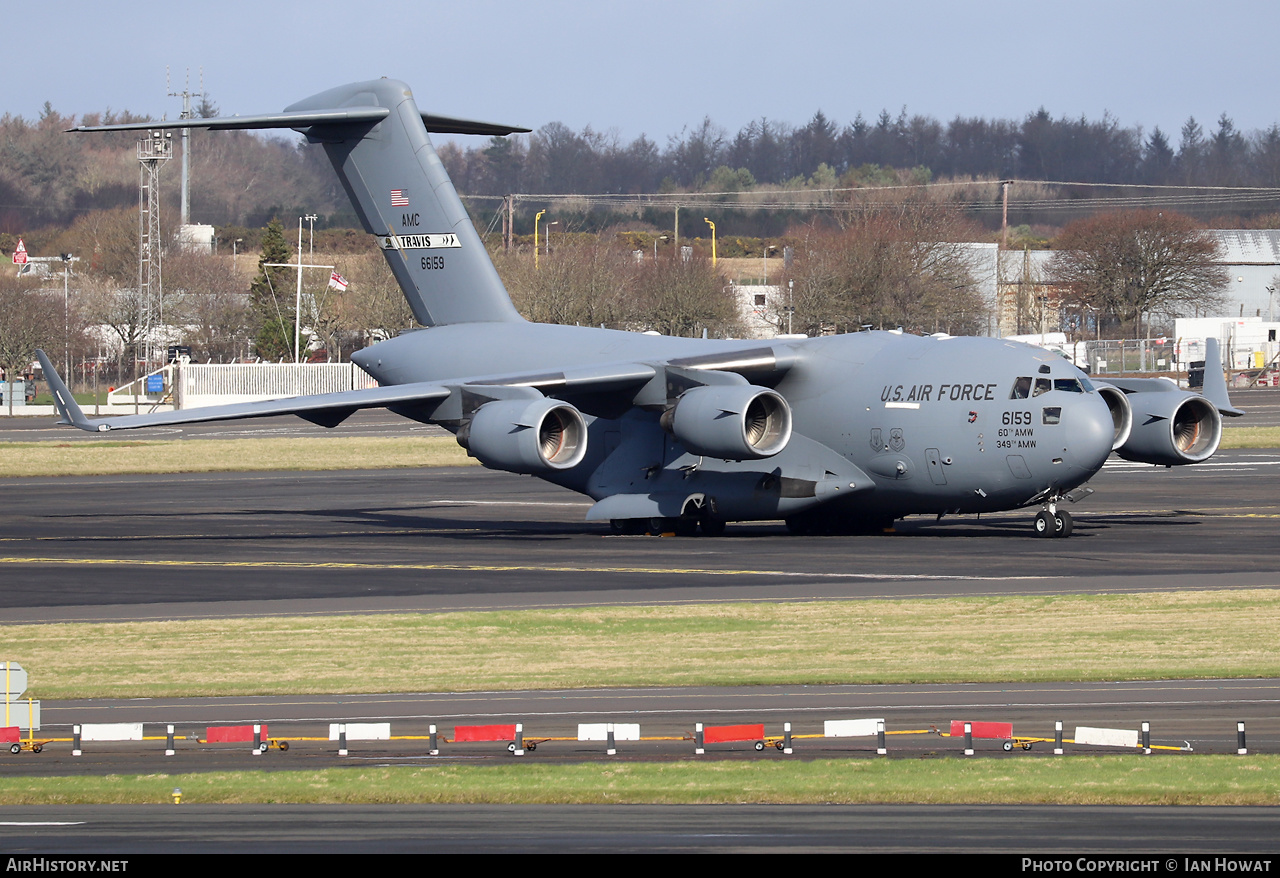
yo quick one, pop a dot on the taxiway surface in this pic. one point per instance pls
(127, 547)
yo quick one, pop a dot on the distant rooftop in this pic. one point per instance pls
(1249, 246)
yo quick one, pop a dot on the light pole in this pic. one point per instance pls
(66, 315)
(537, 217)
(548, 244)
(713, 240)
(311, 227)
(297, 304)
(766, 262)
(655, 246)
(791, 303)
(235, 251)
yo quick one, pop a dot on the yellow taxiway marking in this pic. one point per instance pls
(489, 568)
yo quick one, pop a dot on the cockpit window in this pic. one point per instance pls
(1021, 388)
(1071, 385)
(1051, 414)
(1043, 385)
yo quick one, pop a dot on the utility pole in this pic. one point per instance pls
(1004, 221)
(186, 94)
(508, 220)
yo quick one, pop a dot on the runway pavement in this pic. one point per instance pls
(1088, 839)
(437, 539)
(136, 547)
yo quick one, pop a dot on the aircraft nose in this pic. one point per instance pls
(1090, 432)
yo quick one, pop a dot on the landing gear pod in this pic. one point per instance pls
(526, 436)
(738, 422)
(1172, 429)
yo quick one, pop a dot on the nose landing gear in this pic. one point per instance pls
(1053, 522)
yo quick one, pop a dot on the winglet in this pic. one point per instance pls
(68, 409)
(1215, 384)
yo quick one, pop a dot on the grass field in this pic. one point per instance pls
(83, 457)
(1082, 780)
(1107, 637)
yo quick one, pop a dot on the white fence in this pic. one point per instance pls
(195, 385)
(198, 385)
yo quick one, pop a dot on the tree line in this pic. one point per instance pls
(49, 177)
(556, 159)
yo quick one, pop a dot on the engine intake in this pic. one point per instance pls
(1121, 413)
(1172, 429)
(526, 436)
(735, 422)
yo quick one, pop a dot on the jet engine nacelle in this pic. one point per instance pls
(1121, 414)
(1172, 429)
(529, 436)
(731, 422)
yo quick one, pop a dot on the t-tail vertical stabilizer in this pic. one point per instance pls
(376, 138)
(403, 195)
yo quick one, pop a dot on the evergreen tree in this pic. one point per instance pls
(272, 307)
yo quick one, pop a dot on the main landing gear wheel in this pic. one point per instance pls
(1053, 524)
(1044, 524)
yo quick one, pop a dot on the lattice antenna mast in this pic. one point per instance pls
(153, 151)
(186, 94)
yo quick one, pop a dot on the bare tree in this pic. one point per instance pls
(685, 297)
(373, 306)
(120, 316)
(888, 265)
(31, 320)
(208, 299)
(1134, 264)
(586, 280)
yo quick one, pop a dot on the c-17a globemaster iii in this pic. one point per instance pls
(832, 434)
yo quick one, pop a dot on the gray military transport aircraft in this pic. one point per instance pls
(833, 434)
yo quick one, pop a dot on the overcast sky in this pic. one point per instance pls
(656, 67)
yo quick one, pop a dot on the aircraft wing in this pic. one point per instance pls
(326, 409)
(330, 409)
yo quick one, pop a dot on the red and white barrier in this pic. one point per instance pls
(850, 728)
(1106, 737)
(362, 731)
(600, 731)
(233, 734)
(111, 731)
(727, 734)
(999, 731)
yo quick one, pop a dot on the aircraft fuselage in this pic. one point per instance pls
(885, 424)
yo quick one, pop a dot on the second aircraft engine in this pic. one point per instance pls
(731, 422)
(529, 436)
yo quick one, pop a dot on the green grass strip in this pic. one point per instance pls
(980, 639)
(103, 457)
(1119, 779)
(1250, 437)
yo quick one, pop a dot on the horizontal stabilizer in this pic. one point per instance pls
(300, 121)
